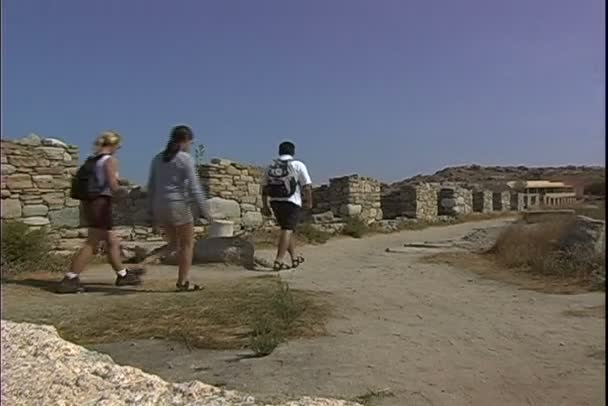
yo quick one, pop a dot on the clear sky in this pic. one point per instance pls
(384, 88)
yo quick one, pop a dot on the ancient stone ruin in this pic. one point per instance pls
(36, 175)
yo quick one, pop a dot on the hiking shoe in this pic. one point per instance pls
(70, 285)
(132, 278)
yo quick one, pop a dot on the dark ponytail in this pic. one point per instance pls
(179, 134)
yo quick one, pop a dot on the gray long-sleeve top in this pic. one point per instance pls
(175, 180)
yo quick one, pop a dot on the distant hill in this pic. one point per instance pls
(495, 177)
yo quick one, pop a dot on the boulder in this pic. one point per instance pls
(44, 369)
(224, 208)
(31, 139)
(585, 234)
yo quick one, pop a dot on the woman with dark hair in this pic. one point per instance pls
(171, 185)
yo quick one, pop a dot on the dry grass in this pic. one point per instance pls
(529, 256)
(226, 315)
(534, 248)
(486, 267)
(595, 211)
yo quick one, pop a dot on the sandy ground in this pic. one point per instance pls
(431, 334)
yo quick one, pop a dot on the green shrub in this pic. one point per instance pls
(26, 249)
(355, 227)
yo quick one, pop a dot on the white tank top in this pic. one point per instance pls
(100, 172)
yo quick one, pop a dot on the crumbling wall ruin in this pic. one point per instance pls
(483, 201)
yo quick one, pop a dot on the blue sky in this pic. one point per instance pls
(385, 88)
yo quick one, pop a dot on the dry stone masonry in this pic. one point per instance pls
(454, 200)
(36, 178)
(350, 196)
(37, 172)
(483, 201)
(235, 191)
(501, 201)
(418, 201)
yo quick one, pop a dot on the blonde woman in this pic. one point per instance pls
(94, 185)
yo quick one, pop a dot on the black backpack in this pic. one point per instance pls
(282, 182)
(85, 185)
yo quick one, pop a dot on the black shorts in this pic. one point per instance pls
(287, 214)
(98, 213)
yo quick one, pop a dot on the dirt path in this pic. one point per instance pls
(431, 334)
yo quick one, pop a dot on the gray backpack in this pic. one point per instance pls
(282, 179)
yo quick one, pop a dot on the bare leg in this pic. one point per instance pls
(284, 243)
(292, 248)
(84, 256)
(172, 239)
(113, 251)
(185, 239)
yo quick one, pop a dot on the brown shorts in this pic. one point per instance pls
(98, 213)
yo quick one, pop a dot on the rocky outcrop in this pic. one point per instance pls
(40, 368)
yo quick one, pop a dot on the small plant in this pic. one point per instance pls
(265, 336)
(27, 250)
(310, 234)
(355, 227)
(199, 153)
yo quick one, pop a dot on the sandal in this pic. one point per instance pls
(295, 262)
(279, 266)
(185, 287)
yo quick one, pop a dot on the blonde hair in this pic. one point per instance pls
(107, 139)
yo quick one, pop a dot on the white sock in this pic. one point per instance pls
(71, 275)
(122, 273)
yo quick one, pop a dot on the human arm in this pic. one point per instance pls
(195, 187)
(306, 185)
(111, 172)
(265, 207)
(151, 189)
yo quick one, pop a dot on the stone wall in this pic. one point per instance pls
(502, 201)
(454, 200)
(36, 180)
(235, 191)
(349, 196)
(412, 201)
(483, 201)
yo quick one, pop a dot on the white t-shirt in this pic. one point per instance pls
(301, 175)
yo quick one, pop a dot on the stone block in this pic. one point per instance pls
(43, 181)
(19, 181)
(36, 210)
(67, 217)
(253, 189)
(351, 210)
(248, 207)
(54, 142)
(252, 219)
(54, 200)
(52, 153)
(8, 169)
(22, 161)
(11, 208)
(31, 139)
(36, 221)
(224, 208)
